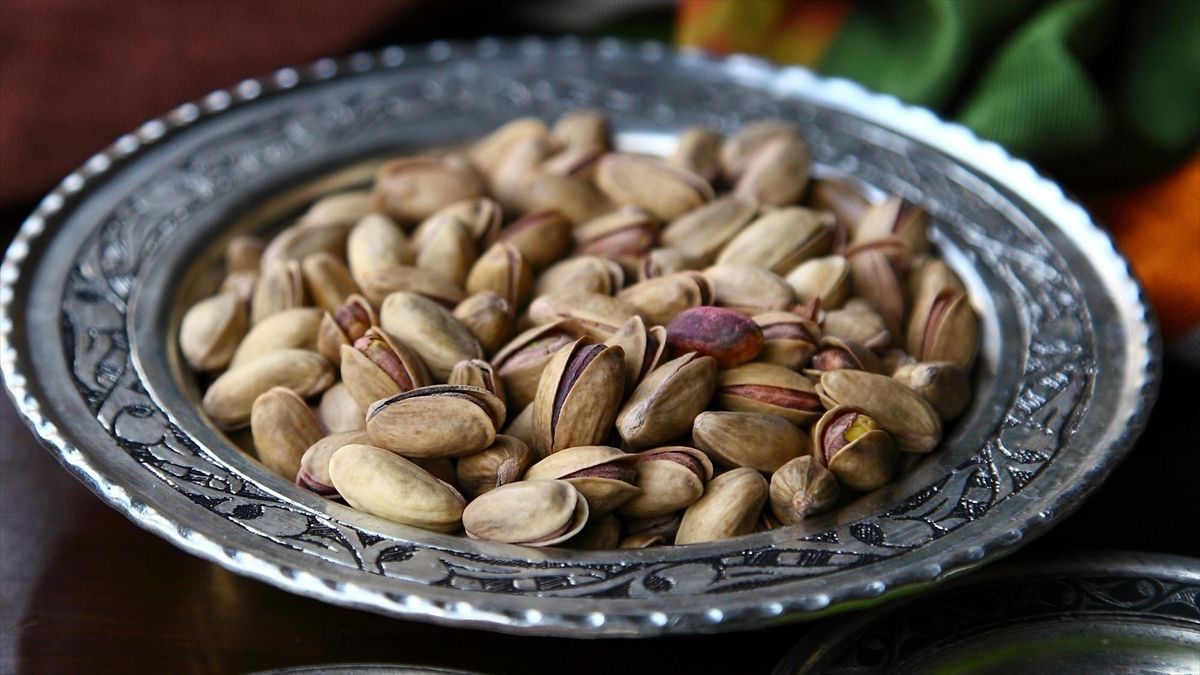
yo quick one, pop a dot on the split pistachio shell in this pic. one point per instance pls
(339, 412)
(343, 326)
(740, 149)
(436, 421)
(229, 399)
(603, 475)
(280, 287)
(643, 349)
(430, 331)
(660, 262)
(283, 428)
(599, 315)
(375, 367)
(327, 280)
(343, 208)
(750, 290)
(876, 280)
(503, 271)
(777, 174)
(486, 153)
(789, 340)
(575, 198)
(854, 448)
(541, 238)
(842, 198)
(758, 441)
(412, 189)
(705, 231)
(211, 330)
(477, 373)
(482, 218)
(530, 512)
(314, 463)
(827, 278)
(895, 217)
(671, 478)
(290, 329)
(448, 251)
(944, 328)
(803, 487)
(412, 280)
(857, 323)
(660, 300)
(520, 363)
(504, 461)
(781, 239)
(375, 246)
(665, 191)
(698, 151)
(300, 241)
(944, 384)
(578, 396)
(589, 273)
(836, 354)
(386, 485)
(488, 317)
(912, 423)
(663, 406)
(729, 508)
(627, 233)
(770, 389)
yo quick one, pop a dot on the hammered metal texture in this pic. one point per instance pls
(88, 323)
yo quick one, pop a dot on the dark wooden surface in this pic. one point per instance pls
(86, 591)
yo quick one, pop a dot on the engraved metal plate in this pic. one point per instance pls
(88, 318)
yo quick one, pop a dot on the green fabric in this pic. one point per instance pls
(1096, 91)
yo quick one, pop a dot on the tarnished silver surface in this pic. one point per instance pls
(1076, 615)
(88, 320)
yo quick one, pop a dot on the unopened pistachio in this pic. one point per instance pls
(827, 278)
(698, 151)
(749, 289)
(729, 508)
(777, 174)
(803, 487)
(283, 428)
(327, 280)
(448, 251)
(665, 191)
(588, 274)
(387, 485)
(529, 512)
(762, 442)
(430, 331)
(410, 190)
(229, 399)
(504, 461)
(488, 317)
(211, 331)
(279, 287)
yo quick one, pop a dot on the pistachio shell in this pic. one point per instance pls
(503, 271)
(343, 208)
(777, 174)
(482, 217)
(413, 280)
(761, 442)
(660, 262)
(642, 540)
(521, 362)
(855, 449)
(704, 232)
(531, 512)
(581, 274)
(768, 388)
(781, 239)
(428, 330)
(327, 280)
(448, 251)
(629, 232)
(581, 129)
(283, 428)
(837, 353)
(895, 217)
(504, 461)
(876, 280)
(803, 487)
(789, 340)
(698, 151)
(229, 399)
(375, 367)
(477, 373)
(643, 348)
(944, 384)
(243, 253)
(599, 315)
(740, 149)
(300, 241)
(601, 533)
(573, 197)
(411, 189)
(290, 329)
(488, 317)
(280, 287)
(663, 406)
(603, 475)
(436, 421)
(383, 484)
(729, 508)
(912, 423)
(521, 427)
(842, 198)
(578, 396)
(343, 326)
(749, 289)
(486, 153)
(314, 463)
(541, 238)
(376, 245)
(666, 192)
(520, 161)
(858, 324)
(211, 330)
(671, 478)
(827, 278)
(339, 412)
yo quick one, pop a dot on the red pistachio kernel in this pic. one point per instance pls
(729, 336)
(776, 396)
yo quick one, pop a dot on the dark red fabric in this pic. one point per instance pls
(76, 74)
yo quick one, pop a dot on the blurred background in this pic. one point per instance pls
(1101, 95)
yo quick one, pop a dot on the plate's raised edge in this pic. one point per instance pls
(953, 139)
(810, 648)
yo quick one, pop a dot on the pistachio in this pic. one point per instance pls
(827, 278)
(578, 396)
(857, 323)
(840, 197)
(604, 476)
(412, 189)
(375, 367)
(241, 284)
(211, 330)
(436, 421)
(599, 315)
(504, 271)
(943, 326)
(729, 508)
(761, 442)
(298, 242)
(893, 359)
(740, 149)
(660, 262)
(912, 423)
(750, 290)
(482, 217)
(704, 231)
(375, 246)
(504, 461)
(767, 521)
(895, 217)
(581, 129)
(666, 192)
(339, 412)
(788, 340)
(730, 337)
(283, 428)
(698, 151)
(944, 384)
(660, 300)
(663, 406)
(345, 325)
(803, 487)
(531, 512)
(441, 468)
(343, 208)
(600, 533)
(413, 280)
(428, 330)
(854, 448)
(289, 329)
(575, 198)
(477, 373)
(488, 317)
(243, 253)
(314, 463)
(521, 427)
(768, 388)
(520, 363)
(230, 397)
(627, 233)
(521, 160)
(542, 238)
(876, 280)
(448, 250)
(589, 273)
(571, 162)
(664, 527)
(671, 478)
(643, 349)
(837, 354)
(327, 280)
(777, 174)
(280, 287)
(488, 152)
(781, 240)
(383, 484)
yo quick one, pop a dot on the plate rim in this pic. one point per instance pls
(954, 140)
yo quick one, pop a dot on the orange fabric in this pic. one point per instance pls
(778, 29)
(1158, 228)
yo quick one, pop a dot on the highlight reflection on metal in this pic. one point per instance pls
(88, 321)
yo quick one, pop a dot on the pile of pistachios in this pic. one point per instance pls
(536, 339)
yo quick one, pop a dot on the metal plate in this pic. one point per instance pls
(1078, 615)
(1068, 368)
